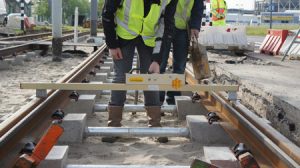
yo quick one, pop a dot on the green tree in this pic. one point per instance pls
(42, 8)
(100, 5)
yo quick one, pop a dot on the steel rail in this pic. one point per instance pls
(18, 48)
(255, 133)
(29, 123)
(30, 36)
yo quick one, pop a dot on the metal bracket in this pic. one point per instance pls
(232, 96)
(41, 93)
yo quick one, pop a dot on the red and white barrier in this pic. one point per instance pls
(295, 50)
(273, 41)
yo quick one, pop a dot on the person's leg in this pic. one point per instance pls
(166, 46)
(180, 53)
(121, 67)
(152, 103)
(115, 107)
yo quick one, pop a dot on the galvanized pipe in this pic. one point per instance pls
(123, 166)
(137, 132)
(134, 108)
(129, 92)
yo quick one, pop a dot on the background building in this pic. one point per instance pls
(278, 5)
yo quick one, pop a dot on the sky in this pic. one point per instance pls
(245, 4)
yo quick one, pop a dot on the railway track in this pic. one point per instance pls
(9, 51)
(30, 122)
(30, 36)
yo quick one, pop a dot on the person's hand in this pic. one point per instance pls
(154, 68)
(116, 53)
(194, 33)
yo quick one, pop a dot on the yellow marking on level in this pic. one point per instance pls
(176, 84)
(136, 79)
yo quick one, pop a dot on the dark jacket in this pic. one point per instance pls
(108, 17)
(196, 15)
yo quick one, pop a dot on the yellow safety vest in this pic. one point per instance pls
(218, 7)
(183, 13)
(132, 23)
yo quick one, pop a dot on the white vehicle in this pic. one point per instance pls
(14, 20)
(3, 13)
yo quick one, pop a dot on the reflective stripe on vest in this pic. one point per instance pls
(131, 22)
(218, 7)
(183, 13)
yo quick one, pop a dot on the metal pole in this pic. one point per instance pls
(75, 27)
(134, 108)
(22, 10)
(137, 132)
(56, 29)
(271, 14)
(94, 17)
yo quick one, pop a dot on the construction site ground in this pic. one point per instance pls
(268, 86)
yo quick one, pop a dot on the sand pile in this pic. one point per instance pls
(41, 69)
(134, 151)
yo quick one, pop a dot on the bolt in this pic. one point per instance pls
(292, 127)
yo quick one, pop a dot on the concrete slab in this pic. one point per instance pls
(74, 127)
(109, 81)
(108, 63)
(185, 107)
(4, 65)
(100, 77)
(267, 85)
(19, 60)
(207, 134)
(9, 60)
(29, 56)
(85, 104)
(57, 158)
(220, 156)
(105, 69)
(109, 58)
(92, 92)
(38, 52)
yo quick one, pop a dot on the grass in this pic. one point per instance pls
(41, 28)
(262, 30)
(72, 28)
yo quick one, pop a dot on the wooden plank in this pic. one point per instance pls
(113, 86)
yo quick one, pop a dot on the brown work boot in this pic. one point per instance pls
(114, 120)
(154, 114)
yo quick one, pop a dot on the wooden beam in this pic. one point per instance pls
(113, 86)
